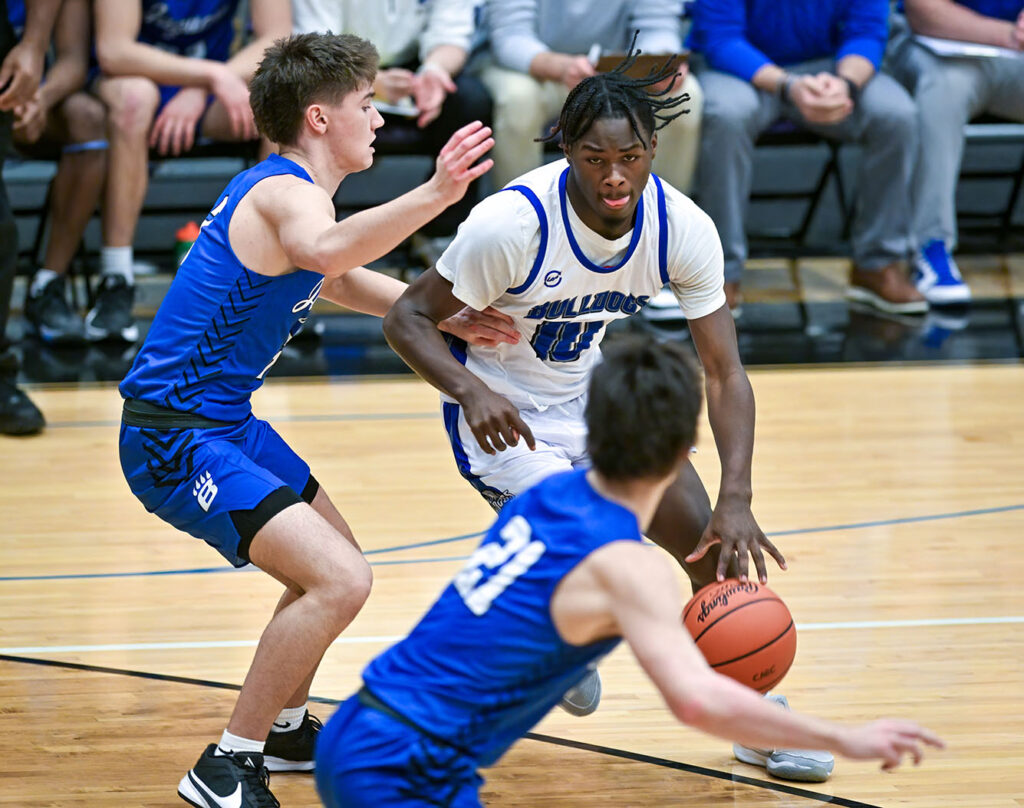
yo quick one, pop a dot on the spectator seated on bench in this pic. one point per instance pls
(950, 89)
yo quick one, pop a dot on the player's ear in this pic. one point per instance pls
(654, 144)
(316, 117)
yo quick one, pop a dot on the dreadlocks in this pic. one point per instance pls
(615, 95)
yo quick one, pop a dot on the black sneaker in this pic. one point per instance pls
(18, 415)
(292, 751)
(50, 316)
(238, 780)
(111, 317)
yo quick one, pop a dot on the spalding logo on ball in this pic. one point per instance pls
(744, 631)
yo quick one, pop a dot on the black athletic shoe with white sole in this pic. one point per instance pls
(238, 780)
(292, 751)
(111, 318)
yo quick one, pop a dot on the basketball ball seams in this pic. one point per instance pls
(735, 609)
(755, 650)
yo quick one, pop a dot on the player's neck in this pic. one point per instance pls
(641, 496)
(321, 169)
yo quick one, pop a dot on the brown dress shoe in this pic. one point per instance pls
(887, 289)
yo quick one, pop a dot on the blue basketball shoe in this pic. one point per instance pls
(937, 276)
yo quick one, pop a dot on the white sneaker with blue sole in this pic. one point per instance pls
(937, 276)
(802, 765)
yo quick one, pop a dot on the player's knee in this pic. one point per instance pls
(348, 590)
(132, 105)
(86, 118)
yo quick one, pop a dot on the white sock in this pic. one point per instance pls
(117, 261)
(42, 277)
(232, 743)
(290, 718)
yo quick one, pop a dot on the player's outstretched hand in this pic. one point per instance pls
(888, 740)
(733, 526)
(495, 421)
(455, 164)
(488, 328)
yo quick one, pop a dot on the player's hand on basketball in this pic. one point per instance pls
(487, 328)
(733, 526)
(455, 164)
(889, 740)
(495, 422)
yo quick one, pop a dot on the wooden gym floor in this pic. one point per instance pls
(896, 492)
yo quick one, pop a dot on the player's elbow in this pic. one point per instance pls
(394, 323)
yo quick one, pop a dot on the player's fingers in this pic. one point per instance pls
(524, 431)
(774, 552)
(762, 572)
(459, 135)
(482, 438)
(462, 170)
(742, 564)
(470, 142)
(478, 170)
(702, 548)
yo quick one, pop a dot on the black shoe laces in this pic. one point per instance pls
(258, 782)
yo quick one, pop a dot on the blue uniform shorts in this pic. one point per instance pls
(220, 484)
(367, 759)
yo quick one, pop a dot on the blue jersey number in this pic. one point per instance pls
(564, 341)
(509, 559)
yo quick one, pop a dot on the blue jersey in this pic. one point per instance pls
(221, 326)
(486, 662)
(16, 16)
(202, 29)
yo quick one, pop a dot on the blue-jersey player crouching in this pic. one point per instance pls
(559, 579)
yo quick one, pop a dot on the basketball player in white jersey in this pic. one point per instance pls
(564, 250)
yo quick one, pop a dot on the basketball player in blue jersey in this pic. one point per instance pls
(191, 449)
(564, 250)
(561, 576)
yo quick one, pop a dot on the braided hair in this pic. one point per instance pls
(615, 95)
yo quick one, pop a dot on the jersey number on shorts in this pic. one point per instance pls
(564, 341)
(509, 559)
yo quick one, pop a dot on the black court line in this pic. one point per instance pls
(533, 736)
(690, 768)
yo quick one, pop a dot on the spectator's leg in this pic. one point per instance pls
(18, 415)
(679, 142)
(948, 93)
(131, 102)
(79, 123)
(470, 102)
(1006, 95)
(884, 122)
(735, 112)
(520, 113)
(79, 119)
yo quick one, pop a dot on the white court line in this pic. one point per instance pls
(168, 646)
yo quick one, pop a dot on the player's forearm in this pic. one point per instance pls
(67, 76)
(39, 19)
(372, 233)
(855, 68)
(719, 706)
(948, 20)
(449, 58)
(731, 413)
(244, 63)
(364, 290)
(125, 58)
(416, 339)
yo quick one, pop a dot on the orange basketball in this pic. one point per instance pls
(744, 631)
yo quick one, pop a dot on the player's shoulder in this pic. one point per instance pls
(279, 193)
(504, 217)
(624, 566)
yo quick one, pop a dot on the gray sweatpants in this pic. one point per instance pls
(949, 91)
(884, 122)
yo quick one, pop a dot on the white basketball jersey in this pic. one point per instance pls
(520, 252)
